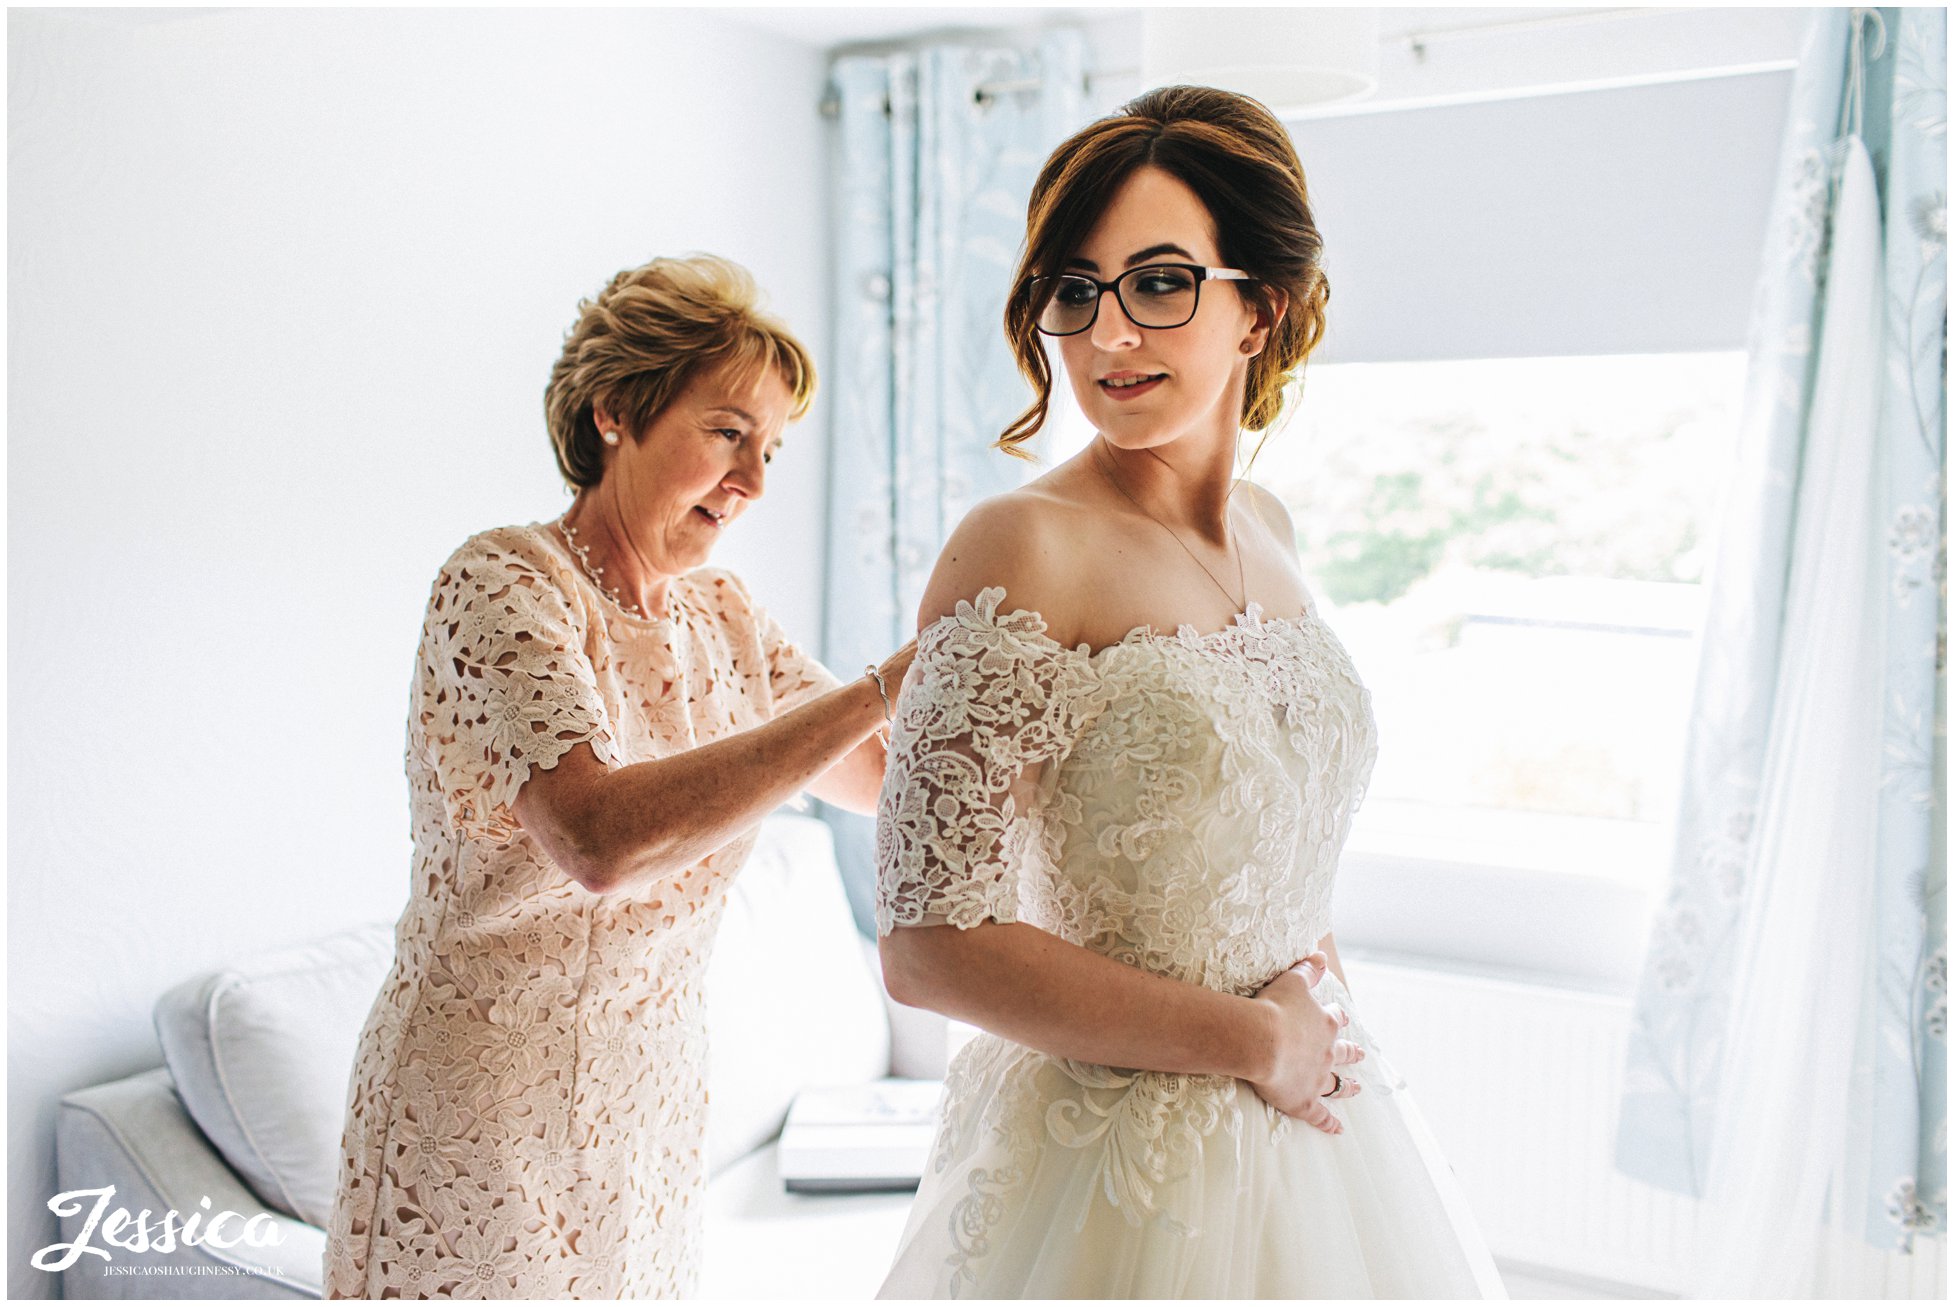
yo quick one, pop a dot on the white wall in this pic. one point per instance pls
(285, 289)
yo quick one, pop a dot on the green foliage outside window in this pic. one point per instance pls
(1384, 508)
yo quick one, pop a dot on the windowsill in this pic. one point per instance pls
(1514, 896)
(1629, 853)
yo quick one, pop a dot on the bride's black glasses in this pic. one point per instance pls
(1157, 296)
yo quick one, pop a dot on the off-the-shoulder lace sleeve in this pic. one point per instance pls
(988, 701)
(505, 684)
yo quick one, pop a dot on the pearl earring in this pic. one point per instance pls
(610, 437)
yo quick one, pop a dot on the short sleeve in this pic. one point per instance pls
(505, 684)
(987, 703)
(793, 675)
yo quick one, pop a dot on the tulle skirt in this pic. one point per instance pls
(1055, 1179)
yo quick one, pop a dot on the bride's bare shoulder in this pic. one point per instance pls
(1026, 541)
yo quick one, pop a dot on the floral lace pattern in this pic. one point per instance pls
(1175, 802)
(526, 1116)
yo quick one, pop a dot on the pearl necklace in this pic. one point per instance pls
(596, 574)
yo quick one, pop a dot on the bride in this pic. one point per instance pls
(1123, 766)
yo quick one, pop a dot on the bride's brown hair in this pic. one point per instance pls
(1232, 153)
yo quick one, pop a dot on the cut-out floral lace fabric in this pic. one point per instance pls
(1177, 803)
(526, 1116)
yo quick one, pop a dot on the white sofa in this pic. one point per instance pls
(247, 1111)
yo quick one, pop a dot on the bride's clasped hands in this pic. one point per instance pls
(1306, 1050)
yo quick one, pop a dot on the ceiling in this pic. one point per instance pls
(827, 26)
(1426, 56)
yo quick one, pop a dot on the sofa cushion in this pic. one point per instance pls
(919, 1039)
(790, 998)
(262, 1051)
(262, 1055)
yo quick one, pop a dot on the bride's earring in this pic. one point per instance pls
(610, 437)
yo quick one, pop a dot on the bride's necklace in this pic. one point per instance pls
(596, 574)
(1240, 604)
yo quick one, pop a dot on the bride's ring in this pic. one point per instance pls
(1336, 1088)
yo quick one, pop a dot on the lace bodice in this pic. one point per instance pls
(1175, 802)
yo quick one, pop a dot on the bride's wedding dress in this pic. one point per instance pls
(1178, 803)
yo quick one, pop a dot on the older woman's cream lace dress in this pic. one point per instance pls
(1178, 803)
(527, 1109)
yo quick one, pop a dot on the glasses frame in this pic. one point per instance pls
(1201, 273)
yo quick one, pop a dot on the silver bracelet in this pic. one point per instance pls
(888, 713)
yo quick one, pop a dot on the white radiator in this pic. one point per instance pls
(1520, 1083)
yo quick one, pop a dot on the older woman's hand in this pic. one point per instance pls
(855, 782)
(895, 669)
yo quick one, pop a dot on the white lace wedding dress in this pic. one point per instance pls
(1178, 803)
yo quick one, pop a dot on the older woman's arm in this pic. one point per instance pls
(855, 783)
(612, 828)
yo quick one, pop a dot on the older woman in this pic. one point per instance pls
(599, 721)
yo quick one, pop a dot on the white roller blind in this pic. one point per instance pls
(1598, 222)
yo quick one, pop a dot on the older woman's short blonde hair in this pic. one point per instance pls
(650, 333)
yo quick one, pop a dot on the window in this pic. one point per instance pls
(1514, 551)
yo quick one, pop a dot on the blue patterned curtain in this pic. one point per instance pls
(1869, 107)
(938, 149)
(1909, 1096)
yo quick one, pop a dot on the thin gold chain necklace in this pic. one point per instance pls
(1240, 574)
